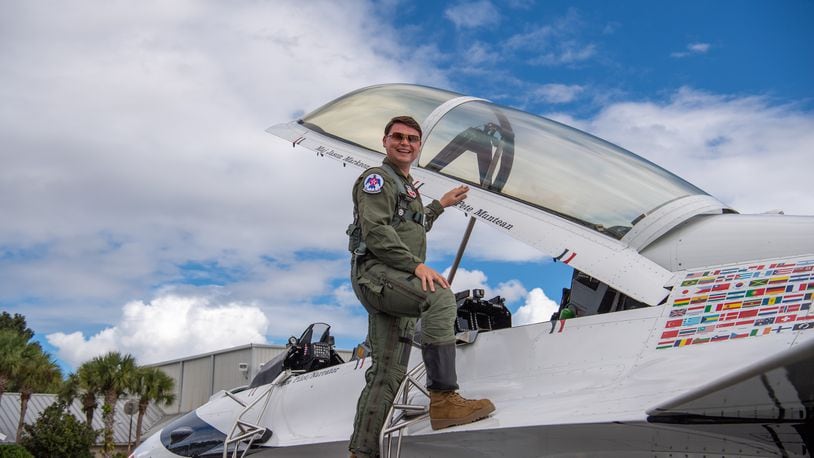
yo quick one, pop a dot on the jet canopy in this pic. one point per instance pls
(518, 155)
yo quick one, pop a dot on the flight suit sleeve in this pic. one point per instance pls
(431, 213)
(375, 213)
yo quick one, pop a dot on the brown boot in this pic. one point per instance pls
(448, 408)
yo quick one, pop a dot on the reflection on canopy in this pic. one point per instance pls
(519, 155)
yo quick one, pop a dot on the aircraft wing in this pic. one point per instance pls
(777, 389)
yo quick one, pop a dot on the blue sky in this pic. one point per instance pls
(622, 50)
(145, 210)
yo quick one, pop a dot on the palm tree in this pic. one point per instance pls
(79, 385)
(37, 372)
(69, 390)
(86, 385)
(112, 374)
(151, 384)
(12, 345)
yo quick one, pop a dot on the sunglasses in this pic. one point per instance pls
(399, 137)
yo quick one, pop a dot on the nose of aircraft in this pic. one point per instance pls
(152, 448)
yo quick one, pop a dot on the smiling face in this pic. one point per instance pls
(400, 149)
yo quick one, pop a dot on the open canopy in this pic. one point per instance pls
(573, 196)
(528, 158)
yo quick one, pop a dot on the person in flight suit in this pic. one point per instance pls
(388, 238)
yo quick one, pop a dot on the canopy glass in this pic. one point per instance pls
(525, 157)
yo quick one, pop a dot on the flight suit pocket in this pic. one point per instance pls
(391, 291)
(405, 290)
(371, 285)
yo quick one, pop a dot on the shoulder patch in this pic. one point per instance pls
(373, 183)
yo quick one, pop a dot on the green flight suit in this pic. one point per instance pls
(384, 282)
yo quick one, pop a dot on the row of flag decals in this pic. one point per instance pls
(738, 302)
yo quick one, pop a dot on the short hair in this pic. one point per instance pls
(407, 121)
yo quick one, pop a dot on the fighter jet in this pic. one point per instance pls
(685, 330)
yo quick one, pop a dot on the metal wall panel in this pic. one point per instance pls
(265, 354)
(173, 370)
(197, 382)
(123, 429)
(227, 372)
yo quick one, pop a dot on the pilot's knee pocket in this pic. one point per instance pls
(392, 291)
(370, 284)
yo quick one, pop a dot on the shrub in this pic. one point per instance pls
(58, 434)
(14, 451)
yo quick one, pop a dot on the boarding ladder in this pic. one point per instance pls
(245, 432)
(402, 413)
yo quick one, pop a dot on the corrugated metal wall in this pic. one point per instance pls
(174, 370)
(228, 373)
(196, 385)
(122, 427)
(265, 355)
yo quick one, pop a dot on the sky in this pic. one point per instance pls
(144, 209)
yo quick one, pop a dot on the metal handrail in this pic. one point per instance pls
(403, 414)
(245, 431)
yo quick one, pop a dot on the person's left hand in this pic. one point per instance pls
(429, 277)
(454, 196)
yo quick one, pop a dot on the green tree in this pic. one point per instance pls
(12, 346)
(38, 372)
(151, 384)
(68, 390)
(17, 324)
(58, 433)
(110, 375)
(82, 384)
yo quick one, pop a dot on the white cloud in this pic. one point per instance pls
(511, 290)
(168, 327)
(538, 308)
(481, 53)
(345, 296)
(465, 279)
(133, 145)
(700, 48)
(736, 148)
(558, 93)
(692, 49)
(558, 43)
(472, 15)
(566, 53)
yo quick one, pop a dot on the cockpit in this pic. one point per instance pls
(312, 351)
(527, 158)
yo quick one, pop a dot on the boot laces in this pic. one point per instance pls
(456, 398)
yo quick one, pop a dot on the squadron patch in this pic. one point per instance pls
(373, 183)
(410, 191)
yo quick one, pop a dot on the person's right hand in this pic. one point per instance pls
(454, 195)
(429, 276)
